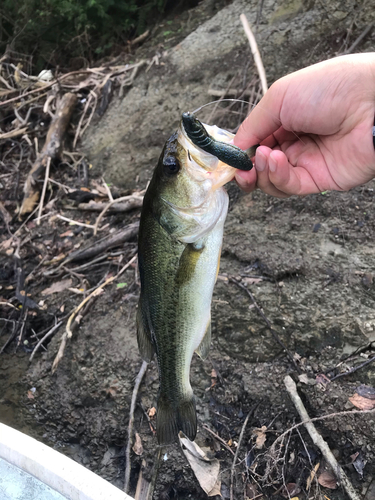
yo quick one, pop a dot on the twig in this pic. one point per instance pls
(133, 202)
(318, 440)
(68, 331)
(14, 133)
(73, 222)
(238, 449)
(105, 244)
(218, 438)
(354, 369)
(255, 52)
(261, 313)
(46, 176)
(48, 334)
(155, 474)
(355, 44)
(137, 383)
(128, 203)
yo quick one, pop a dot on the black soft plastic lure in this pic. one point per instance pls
(227, 153)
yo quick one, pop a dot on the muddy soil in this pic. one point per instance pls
(307, 261)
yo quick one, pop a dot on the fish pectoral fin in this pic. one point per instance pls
(204, 347)
(175, 416)
(145, 345)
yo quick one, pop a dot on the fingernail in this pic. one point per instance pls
(260, 161)
(272, 163)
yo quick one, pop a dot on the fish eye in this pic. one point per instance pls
(171, 165)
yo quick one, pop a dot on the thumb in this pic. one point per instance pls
(264, 119)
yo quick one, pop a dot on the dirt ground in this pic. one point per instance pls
(307, 261)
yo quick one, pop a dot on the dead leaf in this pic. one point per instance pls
(251, 281)
(361, 402)
(306, 380)
(30, 394)
(310, 479)
(358, 462)
(366, 391)
(290, 489)
(327, 480)
(57, 287)
(206, 470)
(252, 492)
(152, 412)
(261, 436)
(322, 380)
(138, 448)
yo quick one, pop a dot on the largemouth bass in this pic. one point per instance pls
(180, 237)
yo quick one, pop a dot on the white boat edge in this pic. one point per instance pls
(61, 473)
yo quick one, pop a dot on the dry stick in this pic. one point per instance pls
(354, 369)
(318, 440)
(51, 149)
(132, 200)
(218, 438)
(68, 332)
(48, 334)
(138, 381)
(150, 493)
(129, 203)
(46, 176)
(255, 52)
(355, 44)
(238, 449)
(261, 313)
(88, 102)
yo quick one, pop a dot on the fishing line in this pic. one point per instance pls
(245, 102)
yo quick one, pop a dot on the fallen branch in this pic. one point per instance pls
(255, 52)
(238, 449)
(68, 330)
(354, 369)
(48, 334)
(132, 202)
(355, 44)
(137, 383)
(101, 246)
(318, 440)
(118, 207)
(51, 150)
(46, 177)
(218, 438)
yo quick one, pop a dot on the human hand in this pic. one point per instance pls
(314, 127)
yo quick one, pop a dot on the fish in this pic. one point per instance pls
(179, 247)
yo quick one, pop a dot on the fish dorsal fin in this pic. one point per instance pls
(145, 346)
(204, 346)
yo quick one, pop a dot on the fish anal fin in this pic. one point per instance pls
(173, 417)
(204, 347)
(145, 346)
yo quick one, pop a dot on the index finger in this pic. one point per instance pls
(264, 120)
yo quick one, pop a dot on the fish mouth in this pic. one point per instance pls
(215, 141)
(205, 166)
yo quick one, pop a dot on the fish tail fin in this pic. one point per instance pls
(173, 417)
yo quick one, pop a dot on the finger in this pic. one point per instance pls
(264, 119)
(289, 179)
(246, 180)
(263, 179)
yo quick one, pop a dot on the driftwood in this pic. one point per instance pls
(51, 150)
